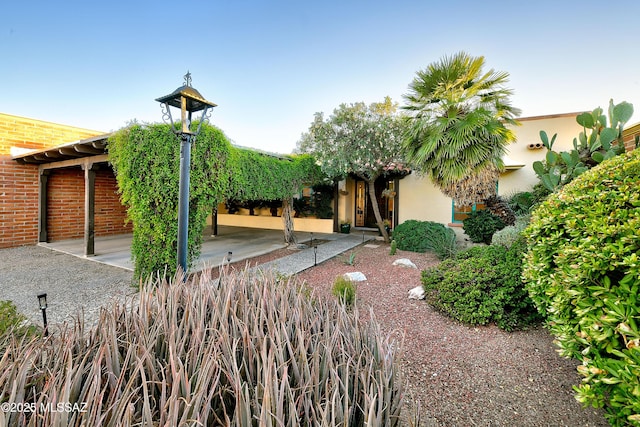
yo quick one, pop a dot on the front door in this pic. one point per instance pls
(364, 216)
(361, 203)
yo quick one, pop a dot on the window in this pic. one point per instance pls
(459, 213)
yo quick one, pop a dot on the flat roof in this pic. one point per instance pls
(93, 146)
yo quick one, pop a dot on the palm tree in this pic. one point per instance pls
(456, 133)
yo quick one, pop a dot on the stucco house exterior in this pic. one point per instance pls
(416, 197)
(56, 183)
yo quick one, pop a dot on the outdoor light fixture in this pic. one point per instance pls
(189, 101)
(229, 254)
(42, 301)
(315, 256)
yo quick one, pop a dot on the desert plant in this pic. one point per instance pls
(345, 290)
(393, 247)
(583, 272)
(249, 351)
(350, 259)
(13, 323)
(511, 233)
(423, 236)
(481, 225)
(500, 208)
(596, 143)
(482, 285)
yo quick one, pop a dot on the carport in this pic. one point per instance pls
(90, 156)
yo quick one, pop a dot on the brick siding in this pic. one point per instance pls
(65, 199)
(18, 203)
(19, 187)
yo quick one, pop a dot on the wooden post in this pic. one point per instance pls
(42, 205)
(89, 208)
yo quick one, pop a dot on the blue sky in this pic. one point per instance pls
(270, 65)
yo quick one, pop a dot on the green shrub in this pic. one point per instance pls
(481, 225)
(583, 272)
(249, 351)
(511, 233)
(12, 322)
(423, 236)
(345, 290)
(482, 285)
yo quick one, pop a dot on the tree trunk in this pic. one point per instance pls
(287, 219)
(376, 209)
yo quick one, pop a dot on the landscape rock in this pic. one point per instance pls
(356, 276)
(416, 293)
(404, 262)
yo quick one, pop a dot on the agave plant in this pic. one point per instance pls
(246, 351)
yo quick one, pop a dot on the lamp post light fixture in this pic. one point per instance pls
(315, 255)
(189, 101)
(42, 302)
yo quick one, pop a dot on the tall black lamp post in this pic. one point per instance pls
(189, 101)
(42, 302)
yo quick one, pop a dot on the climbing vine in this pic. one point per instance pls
(146, 160)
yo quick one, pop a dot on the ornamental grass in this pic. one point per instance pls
(250, 350)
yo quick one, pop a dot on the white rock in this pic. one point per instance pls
(404, 262)
(355, 277)
(416, 293)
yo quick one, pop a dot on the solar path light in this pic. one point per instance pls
(42, 302)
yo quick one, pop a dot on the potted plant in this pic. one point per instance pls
(345, 226)
(387, 225)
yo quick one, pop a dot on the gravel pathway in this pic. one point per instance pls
(72, 284)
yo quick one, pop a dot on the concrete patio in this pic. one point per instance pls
(243, 242)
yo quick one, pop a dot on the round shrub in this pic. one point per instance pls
(583, 272)
(423, 236)
(481, 225)
(482, 285)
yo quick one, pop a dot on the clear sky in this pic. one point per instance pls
(270, 65)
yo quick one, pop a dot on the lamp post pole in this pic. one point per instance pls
(183, 200)
(188, 100)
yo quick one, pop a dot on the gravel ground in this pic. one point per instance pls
(72, 284)
(457, 375)
(461, 375)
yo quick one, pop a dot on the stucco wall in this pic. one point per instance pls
(275, 223)
(421, 200)
(524, 179)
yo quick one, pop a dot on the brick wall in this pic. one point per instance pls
(110, 214)
(19, 187)
(629, 137)
(18, 203)
(65, 204)
(23, 132)
(65, 199)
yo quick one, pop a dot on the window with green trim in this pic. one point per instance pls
(459, 213)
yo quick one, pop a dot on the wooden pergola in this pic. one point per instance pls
(87, 154)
